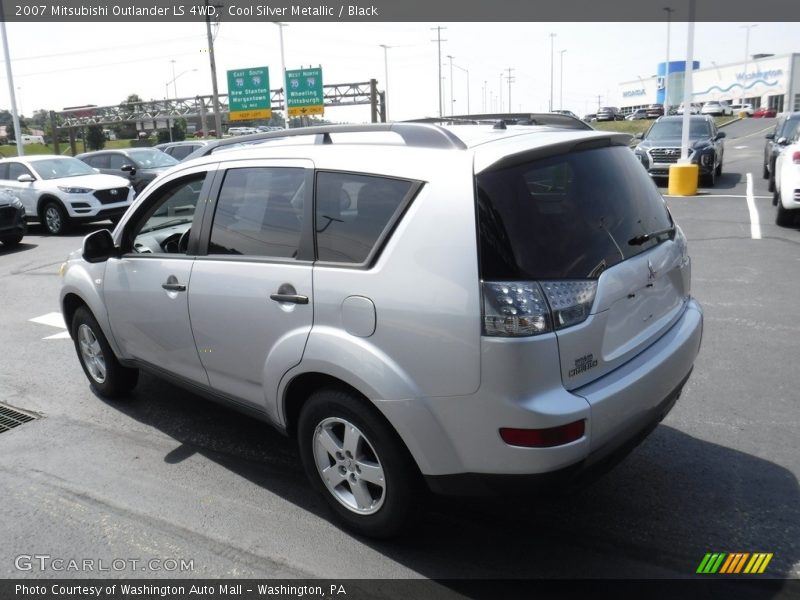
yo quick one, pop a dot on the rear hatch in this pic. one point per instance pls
(580, 243)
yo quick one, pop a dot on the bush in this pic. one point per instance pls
(95, 138)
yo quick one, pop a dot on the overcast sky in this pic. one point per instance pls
(60, 65)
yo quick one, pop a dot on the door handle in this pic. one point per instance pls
(293, 298)
(173, 286)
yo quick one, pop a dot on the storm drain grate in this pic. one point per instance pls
(10, 418)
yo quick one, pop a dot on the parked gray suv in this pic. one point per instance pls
(458, 309)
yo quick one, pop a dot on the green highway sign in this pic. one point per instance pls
(304, 92)
(248, 94)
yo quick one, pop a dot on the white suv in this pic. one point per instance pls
(456, 309)
(61, 190)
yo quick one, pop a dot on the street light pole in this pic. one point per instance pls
(452, 100)
(746, 56)
(385, 80)
(669, 12)
(439, 41)
(552, 37)
(561, 83)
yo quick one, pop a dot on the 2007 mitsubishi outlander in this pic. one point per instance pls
(420, 306)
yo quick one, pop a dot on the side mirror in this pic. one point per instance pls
(26, 178)
(98, 246)
(128, 169)
(721, 134)
(639, 136)
(770, 136)
(782, 141)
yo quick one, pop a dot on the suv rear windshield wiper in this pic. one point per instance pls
(641, 239)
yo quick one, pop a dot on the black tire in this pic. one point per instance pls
(719, 168)
(771, 184)
(104, 372)
(783, 217)
(396, 501)
(710, 180)
(775, 198)
(54, 218)
(765, 173)
(10, 241)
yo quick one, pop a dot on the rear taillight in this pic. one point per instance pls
(796, 158)
(543, 438)
(526, 308)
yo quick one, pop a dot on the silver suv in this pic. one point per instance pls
(455, 309)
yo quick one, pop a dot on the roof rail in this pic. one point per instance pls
(548, 119)
(422, 135)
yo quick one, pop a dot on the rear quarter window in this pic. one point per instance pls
(569, 216)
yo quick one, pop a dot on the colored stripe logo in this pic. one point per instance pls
(734, 563)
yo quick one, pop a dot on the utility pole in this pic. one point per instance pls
(510, 81)
(598, 101)
(214, 89)
(284, 87)
(439, 41)
(746, 56)
(561, 82)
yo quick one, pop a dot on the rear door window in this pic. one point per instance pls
(570, 216)
(354, 212)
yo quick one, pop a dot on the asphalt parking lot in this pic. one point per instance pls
(166, 475)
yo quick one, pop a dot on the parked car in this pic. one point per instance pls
(569, 113)
(609, 113)
(551, 328)
(747, 109)
(661, 146)
(765, 112)
(139, 165)
(180, 150)
(786, 128)
(589, 118)
(60, 190)
(715, 108)
(200, 133)
(655, 110)
(637, 115)
(242, 130)
(787, 183)
(694, 109)
(12, 219)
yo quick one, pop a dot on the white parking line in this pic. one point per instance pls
(53, 319)
(755, 223)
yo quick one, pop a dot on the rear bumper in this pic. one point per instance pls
(517, 390)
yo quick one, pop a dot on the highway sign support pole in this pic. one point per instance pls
(214, 89)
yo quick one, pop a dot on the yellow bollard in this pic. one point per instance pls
(683, 180)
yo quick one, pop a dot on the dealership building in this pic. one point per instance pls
(769, 80)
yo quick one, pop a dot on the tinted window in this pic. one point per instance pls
(259, 212)
(352, 211)
(150, 158)
(181, 152)
(3, 170)
(98, 162)
(667, 130)
(16, 169)
(789, 128)
(567, 216)
(117, 161)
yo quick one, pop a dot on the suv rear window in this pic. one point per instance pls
(569, 216)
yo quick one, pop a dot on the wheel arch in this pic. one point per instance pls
(414, 425)
(44, 199)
